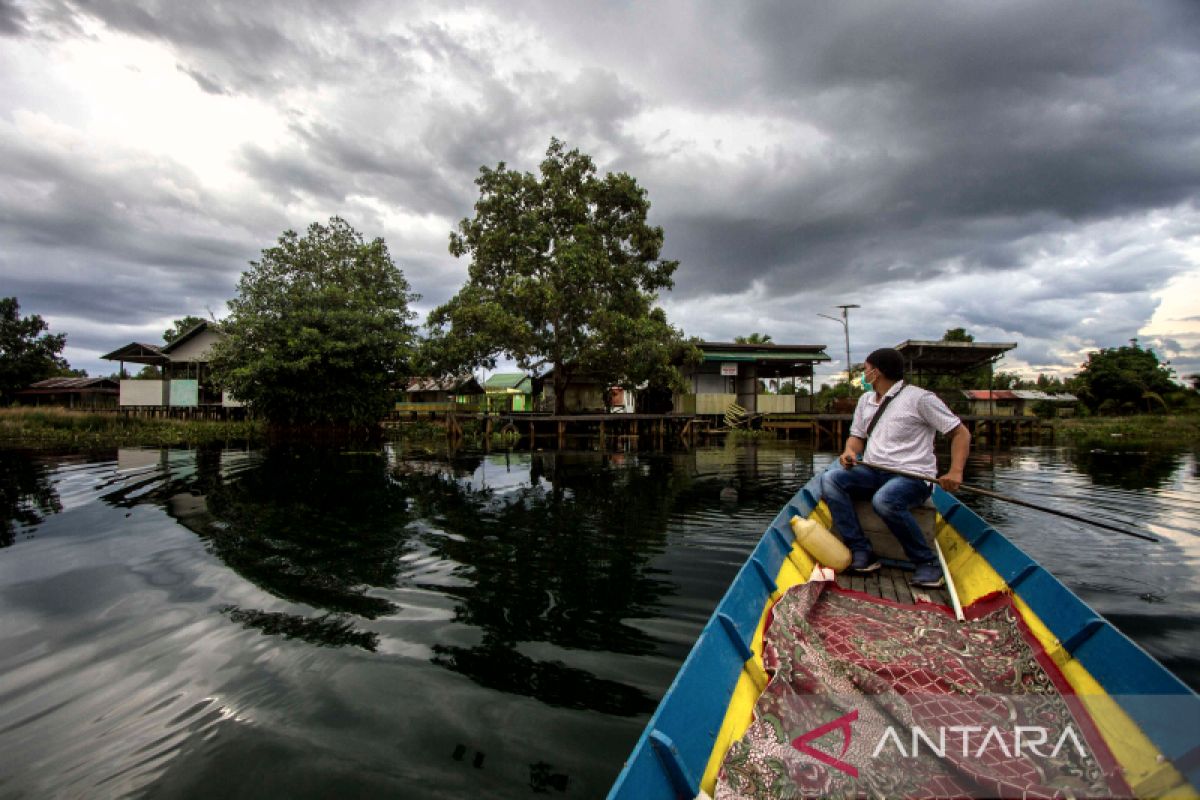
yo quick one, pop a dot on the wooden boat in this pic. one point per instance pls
(1149, 719)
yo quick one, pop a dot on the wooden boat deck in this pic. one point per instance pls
(891, 583)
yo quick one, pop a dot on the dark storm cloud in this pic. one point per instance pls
(80, 205)
(12, 19)
(939, 150)
(333, 164)
(961, 130)
(112, 247)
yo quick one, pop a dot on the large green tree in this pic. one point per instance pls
(564, 271)
(181, 326)
(1125, 378)
(27, 352)
(319, 331)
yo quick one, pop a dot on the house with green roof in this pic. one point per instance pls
(730, 372)
(509, 391)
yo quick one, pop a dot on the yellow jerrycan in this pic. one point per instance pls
(821, 544)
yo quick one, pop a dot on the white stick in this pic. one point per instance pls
(958, 612)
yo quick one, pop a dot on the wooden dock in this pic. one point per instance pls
(832, 429)
(661, 431)
(609, 431)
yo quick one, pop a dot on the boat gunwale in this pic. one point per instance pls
(1103, 651)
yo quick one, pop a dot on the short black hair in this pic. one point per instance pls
(888, 361)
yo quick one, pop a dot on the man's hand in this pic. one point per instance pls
(848, 458)
(951, 480)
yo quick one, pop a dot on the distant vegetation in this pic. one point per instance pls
(27, 352)
(55, 428)
(1130, 432)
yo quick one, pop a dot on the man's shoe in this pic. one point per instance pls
(864, 561)
(928, 576)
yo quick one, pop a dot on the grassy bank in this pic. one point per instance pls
(43, 428)
(1148, 429)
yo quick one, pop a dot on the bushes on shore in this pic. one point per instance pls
(55, 427)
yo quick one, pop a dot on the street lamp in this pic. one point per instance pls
(845, 320)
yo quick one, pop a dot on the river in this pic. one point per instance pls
(314, 623)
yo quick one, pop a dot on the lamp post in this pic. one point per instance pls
(845, 320)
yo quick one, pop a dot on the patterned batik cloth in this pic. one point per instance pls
(848, 668)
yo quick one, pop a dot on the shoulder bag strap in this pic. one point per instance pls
(882, 407)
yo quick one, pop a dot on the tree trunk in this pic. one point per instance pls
(560, 390)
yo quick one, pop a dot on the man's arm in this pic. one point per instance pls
(960, 446)
(854, 449)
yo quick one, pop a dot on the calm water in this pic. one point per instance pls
(310, 624)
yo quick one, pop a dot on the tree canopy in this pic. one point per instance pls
(319, 331)
(957, 335)
(180, 327)
(27, 353)
(1126, 378)
(754, 338)
(564, 271)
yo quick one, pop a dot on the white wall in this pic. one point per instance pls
(141, 393)
(196, 348)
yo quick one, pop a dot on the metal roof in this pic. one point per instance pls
(984, 394)
(138, 353)
(941, 357)
(771, 360)
(505, 380)
(462, 384)
(156, 354)
(188, 334)
(54, 385)
(738, 351)
(1019, 394)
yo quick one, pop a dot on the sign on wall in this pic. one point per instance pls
(729, 369)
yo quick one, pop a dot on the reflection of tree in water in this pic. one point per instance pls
(1128, 469)
(26, 494)
(309, 526)
(329, 630)
(562, 561)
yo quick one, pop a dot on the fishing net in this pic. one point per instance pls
(871, 698)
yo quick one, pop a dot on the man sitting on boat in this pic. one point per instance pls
(894, 425)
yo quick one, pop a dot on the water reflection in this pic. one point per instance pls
(297, 526)
(546, 548)
(1134, 470)
(558, 551)
(27, 494)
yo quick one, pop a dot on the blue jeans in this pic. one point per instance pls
(891, 496)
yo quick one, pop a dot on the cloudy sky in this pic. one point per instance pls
(1027, 170)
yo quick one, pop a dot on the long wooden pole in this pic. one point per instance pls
(1006, 498)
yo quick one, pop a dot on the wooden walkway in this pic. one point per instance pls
(610, 431)
(634, 431)
(834, 428)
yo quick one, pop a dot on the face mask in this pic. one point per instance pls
(864, 383)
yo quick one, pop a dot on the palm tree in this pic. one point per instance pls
(754, 338)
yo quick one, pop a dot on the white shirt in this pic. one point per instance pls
(903, 439)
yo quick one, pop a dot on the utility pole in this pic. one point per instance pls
(845, 320)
